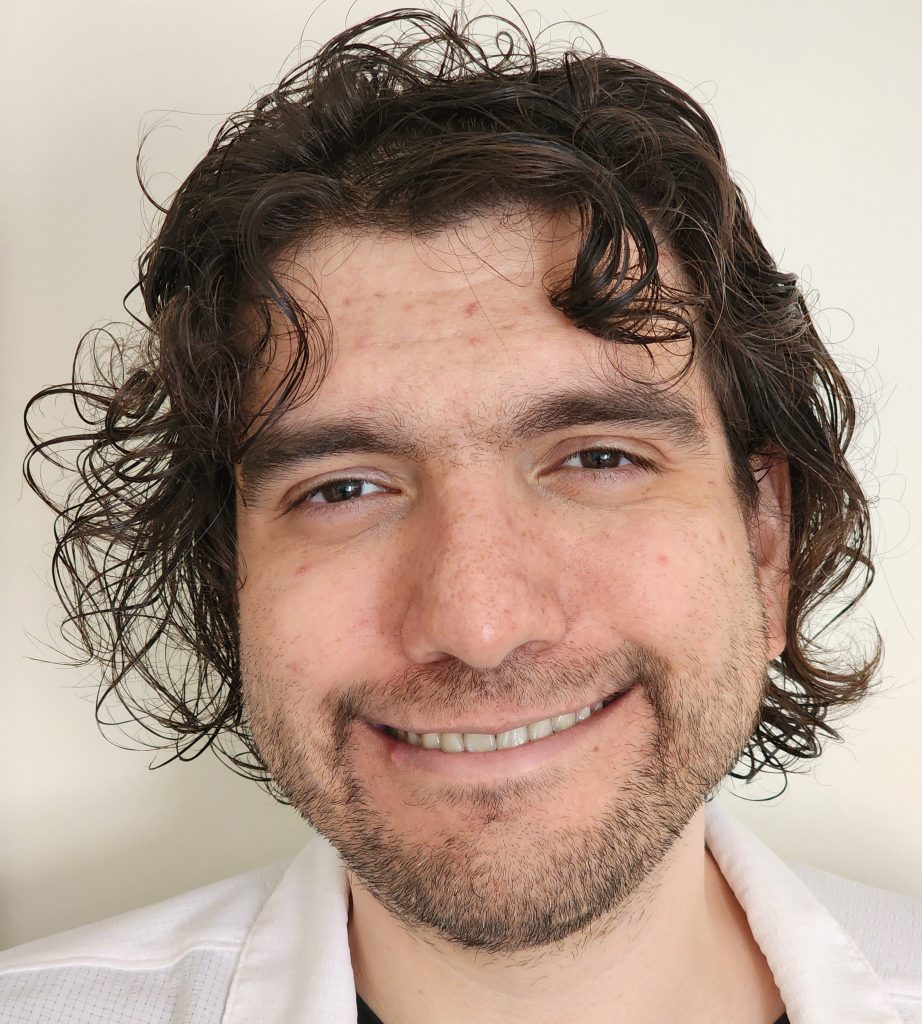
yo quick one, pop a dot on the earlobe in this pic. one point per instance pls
(769, 534)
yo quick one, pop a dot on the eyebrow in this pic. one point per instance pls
(279, 446)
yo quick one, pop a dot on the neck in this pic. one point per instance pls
(681, 950)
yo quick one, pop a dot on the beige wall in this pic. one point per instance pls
(818, 105)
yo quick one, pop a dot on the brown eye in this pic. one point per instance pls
(338, 492)
(599, 458)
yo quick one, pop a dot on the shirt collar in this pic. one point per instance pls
(820, 972)
(295, 967)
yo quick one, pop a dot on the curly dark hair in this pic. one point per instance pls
(411, 122)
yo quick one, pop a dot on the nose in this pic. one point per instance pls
(483, 582)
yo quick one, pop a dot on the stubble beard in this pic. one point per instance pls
(510, 884)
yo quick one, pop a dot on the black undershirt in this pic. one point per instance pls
(366, 1016)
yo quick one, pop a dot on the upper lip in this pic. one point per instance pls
(504, 721)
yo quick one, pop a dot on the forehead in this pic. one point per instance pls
(458, 323)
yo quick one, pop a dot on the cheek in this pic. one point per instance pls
(307, 621)
(677, 583)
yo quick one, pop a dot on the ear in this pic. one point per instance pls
(769, 539)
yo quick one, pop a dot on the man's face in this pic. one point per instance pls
(484, 519)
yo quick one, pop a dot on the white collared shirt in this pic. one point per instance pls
(271, 947)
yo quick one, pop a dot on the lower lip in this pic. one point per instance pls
(486, 765)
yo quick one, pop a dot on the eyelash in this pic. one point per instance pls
(638, 462)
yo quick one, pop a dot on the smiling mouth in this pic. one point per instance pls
(482, 742)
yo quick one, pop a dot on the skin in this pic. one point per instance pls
(479, 582)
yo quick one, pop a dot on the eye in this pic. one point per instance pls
(338, 492)
(604, 458)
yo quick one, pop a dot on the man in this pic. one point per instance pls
(488, 471)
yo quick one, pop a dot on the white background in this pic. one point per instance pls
(818, 105)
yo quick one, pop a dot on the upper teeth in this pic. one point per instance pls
(458, 742)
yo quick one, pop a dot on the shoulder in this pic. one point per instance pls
(886, 926)
(138, 964)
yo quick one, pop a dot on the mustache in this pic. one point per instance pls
(454, 689)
